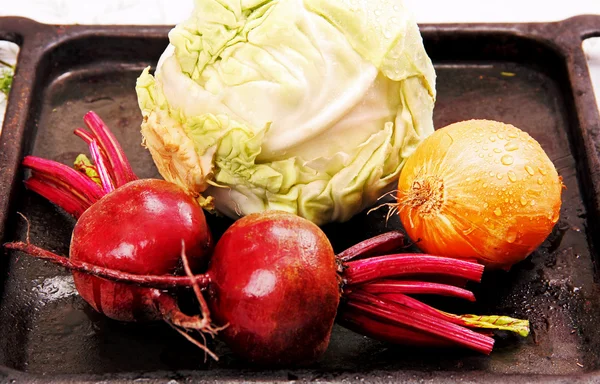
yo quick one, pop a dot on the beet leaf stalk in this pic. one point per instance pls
(75, 191)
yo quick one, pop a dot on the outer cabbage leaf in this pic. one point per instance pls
(311, 106)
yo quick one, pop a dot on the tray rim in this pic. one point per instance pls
(36, 40)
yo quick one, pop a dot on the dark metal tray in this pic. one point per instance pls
(532, 75)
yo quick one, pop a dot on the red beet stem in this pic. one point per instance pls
(394, 333)
(409, 264)
(67, 201)
(84, 135)
(417, 288)
(108, 142)
(107, 183)
(506, 323)
(88, 138)
(389, 311)
(71, 179)
(378, 245)
(151, 281)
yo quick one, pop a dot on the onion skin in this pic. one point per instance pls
(479, 189)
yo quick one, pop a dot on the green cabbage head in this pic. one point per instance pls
(306, 106)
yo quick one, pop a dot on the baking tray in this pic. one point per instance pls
(532, 75)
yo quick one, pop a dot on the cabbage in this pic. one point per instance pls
(306, 106)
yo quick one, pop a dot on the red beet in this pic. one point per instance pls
(132, 226)
(274, 281)
(138, 228)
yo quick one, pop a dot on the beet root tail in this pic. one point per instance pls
(149, 281)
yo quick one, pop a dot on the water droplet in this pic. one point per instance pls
(542, 171)
(478, 140)
(506, 200)
(497, 150)
(481, 155)
(485, 147)
(501, 136)
(511, 201)
(486, 220)
(484, 185)
(532, 202)
(511, 236)
(499, 176)
(498, 211)
(511, 146)
(511, 176)
(492, 174)
(492, 138)
(485, 205)
(513, 135)
(507, 159)
(529, 170)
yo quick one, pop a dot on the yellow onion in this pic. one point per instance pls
(479, 189)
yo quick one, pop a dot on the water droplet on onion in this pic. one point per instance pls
(523, 201)
(511, 146)
(511, 236)
(529, 170)
(507, 159)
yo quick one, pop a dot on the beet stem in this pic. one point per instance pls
(358, 322)
(504, 323)
(150, 281)
(409, 264)
(417, 288)
(88, 138)
(73, 180)
(107, 183)
(382, 244)
(398, 314)
(84, 135)
(114, 152)
(67, 201)
(209, 328)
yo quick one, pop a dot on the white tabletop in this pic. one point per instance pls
(426, 11)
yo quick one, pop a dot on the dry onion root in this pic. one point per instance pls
(479, 189)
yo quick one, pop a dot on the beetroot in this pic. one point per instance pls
(138, 228)
(273, 281)
(133, 226)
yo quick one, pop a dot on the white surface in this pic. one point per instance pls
(427, 11)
